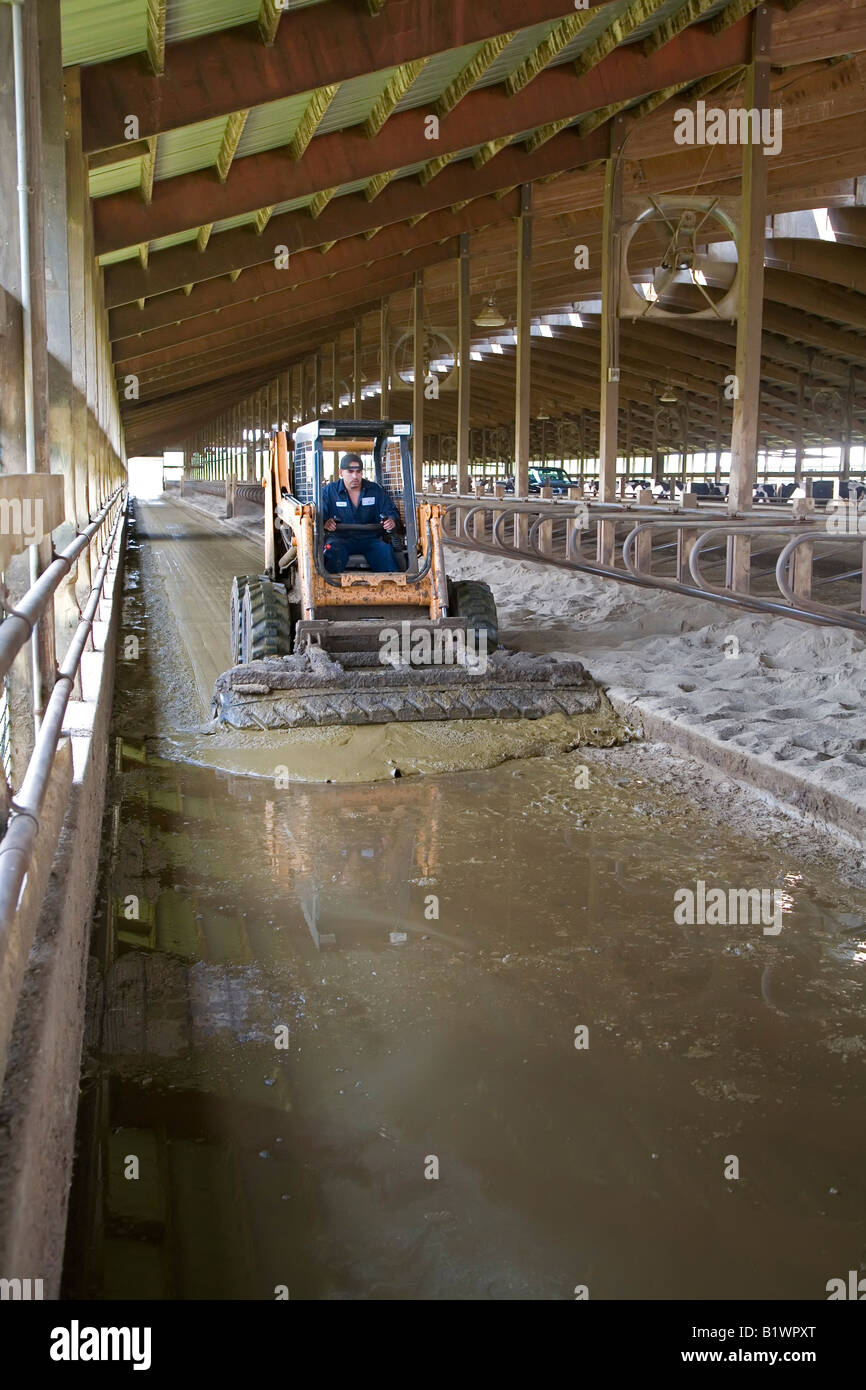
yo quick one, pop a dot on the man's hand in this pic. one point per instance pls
(330, 524)
(388, 524)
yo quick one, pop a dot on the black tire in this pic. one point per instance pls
(266, 626)
(472, 599)
(236, 604)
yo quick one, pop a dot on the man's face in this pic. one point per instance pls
(352, 474)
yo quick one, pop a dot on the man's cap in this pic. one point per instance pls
(350, 458)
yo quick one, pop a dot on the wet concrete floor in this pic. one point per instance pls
(336, 1028)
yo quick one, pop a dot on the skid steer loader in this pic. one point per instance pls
(311, 647)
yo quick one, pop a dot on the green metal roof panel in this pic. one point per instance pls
(115, 178)
(270, 126)
(354, 101)
(227, 224)
(292, 205)
(93, 31)
(189, 148)
(128, 253)
(601, 19)
(162, 243)
(186, 19)
(436, 76)
(511, 57)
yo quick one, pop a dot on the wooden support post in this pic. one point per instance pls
(385, 360)
(750, 305)
(609, 397)
(418, 378)
(464, 348)
(317, 384)
(685, 545)
(524, 360)
(357, 344)
(801, 576)
(335, 389)
(848, 435)
(801, 408)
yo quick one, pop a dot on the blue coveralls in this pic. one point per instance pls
(374, 505)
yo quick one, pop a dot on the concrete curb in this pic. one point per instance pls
(827, 810)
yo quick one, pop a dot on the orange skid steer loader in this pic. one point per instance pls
(311, 647)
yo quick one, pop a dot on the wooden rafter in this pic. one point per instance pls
(731, 14)
(690, 90)
(558, 39)
(638, 12)
(156, 35)
(393, 94)
(321, 201)
(544, 133)
(377, 184)
(148, 169)
(675, 23)
(230, 141)
(222, 71)
(600, 117)
(269, 21)
(472, 73)
(485, 115)
(434, 167)
(309, 122)
(490, 150)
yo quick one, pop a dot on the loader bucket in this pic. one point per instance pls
(311, 689)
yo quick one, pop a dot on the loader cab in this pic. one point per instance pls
(384, 447)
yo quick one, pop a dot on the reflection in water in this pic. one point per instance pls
(426, 949)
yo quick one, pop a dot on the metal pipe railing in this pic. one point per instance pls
(21, 620)
(822, 609)
(550, 509)
(17, 844)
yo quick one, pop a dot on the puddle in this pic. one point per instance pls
(336, 1028)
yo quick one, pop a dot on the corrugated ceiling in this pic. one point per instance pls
(96, 30)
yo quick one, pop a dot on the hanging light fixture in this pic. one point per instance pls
(668, 395)
(490, 317)
(542, 414)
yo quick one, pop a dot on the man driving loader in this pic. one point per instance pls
(357, 501)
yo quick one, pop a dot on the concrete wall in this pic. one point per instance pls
(39, 1093)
